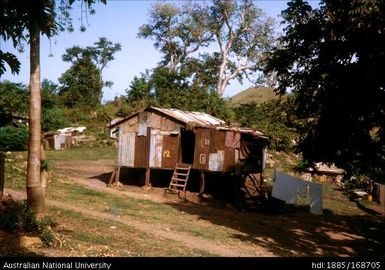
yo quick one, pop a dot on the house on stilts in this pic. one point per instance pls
(156, 138)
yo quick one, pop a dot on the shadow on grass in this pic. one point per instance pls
(295, 232)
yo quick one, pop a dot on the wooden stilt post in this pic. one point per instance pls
(117, 176)
(202, 184)
(112, 177)
(147, 180)
(2, 173)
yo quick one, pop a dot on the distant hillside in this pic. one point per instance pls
(253, 94)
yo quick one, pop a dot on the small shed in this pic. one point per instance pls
(157, 138)
(55, 140)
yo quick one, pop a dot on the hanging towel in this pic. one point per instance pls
(315, 198)
(285, 188)
(303, 188)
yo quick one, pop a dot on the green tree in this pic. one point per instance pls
(139, 95)
(332, 57)
(160, 88)
(243, 35)
(177, 32)
(276, 118)
(27, 20)
(239, 29)
(81, 85)
(101, 54)
(53, 112)
(13, 101)
(13, 138)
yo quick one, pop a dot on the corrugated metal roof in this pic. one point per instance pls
(195, 118)
(246, 130)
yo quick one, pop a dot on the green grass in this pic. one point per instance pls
(83, 153)
(139, 209)
(86, 236)
(16, 170)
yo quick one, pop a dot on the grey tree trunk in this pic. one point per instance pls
(35, 193)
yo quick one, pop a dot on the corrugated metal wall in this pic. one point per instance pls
(156, 149)
(151, 140)
(170, 151)
(211, 153)
(127, 148)
(202, 148)
(142, 148)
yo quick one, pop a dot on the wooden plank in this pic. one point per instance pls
(2, 173)
(142, 125)
(170, 151)
(117, 176)
(202, 183)
(112, 177)
(142, 148)
(229, 159)
(147, 179)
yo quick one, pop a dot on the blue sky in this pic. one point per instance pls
(118, 21)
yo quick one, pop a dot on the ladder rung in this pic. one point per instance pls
(178, 179)
(183, 174)
(177, 185)
(184, 169)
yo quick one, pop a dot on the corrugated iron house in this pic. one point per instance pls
(156, 138)
(56, 141)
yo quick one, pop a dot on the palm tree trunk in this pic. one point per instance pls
(35, 194)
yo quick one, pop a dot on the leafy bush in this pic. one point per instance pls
(275, 118)
(53, 119)
(13, 138)
(20, 218)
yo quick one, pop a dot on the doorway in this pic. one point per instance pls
(188, 146)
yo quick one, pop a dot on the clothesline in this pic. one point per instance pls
(288, 188)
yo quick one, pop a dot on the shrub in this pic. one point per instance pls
(20, 218)
(13, 138)
(53, 119)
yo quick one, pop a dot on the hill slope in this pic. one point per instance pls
(253, 94)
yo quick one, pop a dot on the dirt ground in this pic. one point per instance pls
(260, 233)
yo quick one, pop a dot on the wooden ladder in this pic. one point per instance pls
(179, 179)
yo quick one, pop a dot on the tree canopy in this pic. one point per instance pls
(332, 57)
(101, 54)
(240, 30)
(82, 83)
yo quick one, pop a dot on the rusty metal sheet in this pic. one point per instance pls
(202, 147)
(236, 156)
(170, 151)
(142, 148)
(229, 159)
(220, 137)
(195, 118)
(127, 149)
(216, 161)
(156, 150)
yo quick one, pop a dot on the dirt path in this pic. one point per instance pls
(212, 247)
(296, 233)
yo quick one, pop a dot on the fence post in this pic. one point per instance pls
(2, 173)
